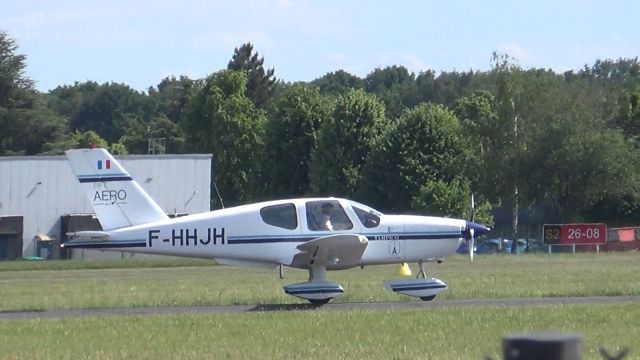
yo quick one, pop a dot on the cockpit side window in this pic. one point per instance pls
(367, 218)
(281, 215)
(327, 215)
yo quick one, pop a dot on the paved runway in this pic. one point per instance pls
(391, 305)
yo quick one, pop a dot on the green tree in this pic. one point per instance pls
(451, 199)
(88, 139)
(27, 126)
(396, 86)
(171, 96)
(356, 124)
(508, 76)
(291, 136)
(620, 73)
(338, 83)
(628, 120)
(424, 145)
(137, 135)
(578, 159)
(104, 108)
(260, 82)
(221, 120)
(446, 88)
(485, 138)
(118, 149)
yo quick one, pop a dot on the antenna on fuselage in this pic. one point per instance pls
(215, 186)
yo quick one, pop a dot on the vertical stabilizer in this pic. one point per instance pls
(116, 198)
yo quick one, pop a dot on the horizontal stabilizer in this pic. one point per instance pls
(88, 235)
(104, 244)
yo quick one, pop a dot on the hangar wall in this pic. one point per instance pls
(41, 189)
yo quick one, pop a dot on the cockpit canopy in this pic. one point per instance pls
(321, 215)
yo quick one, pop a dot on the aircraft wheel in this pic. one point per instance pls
(427, 298)
(319, 301)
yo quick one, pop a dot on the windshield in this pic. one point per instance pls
(364, 207)
(369, 217)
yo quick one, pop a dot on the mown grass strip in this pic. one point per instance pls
(127, 263)
(487, 277)
(449, 333)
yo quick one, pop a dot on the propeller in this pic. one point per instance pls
(470, 232)
(473, 229)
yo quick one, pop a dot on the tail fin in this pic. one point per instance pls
(116, 198)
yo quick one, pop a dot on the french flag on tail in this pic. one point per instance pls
(107, 164)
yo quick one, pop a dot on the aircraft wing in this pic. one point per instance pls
(341, 251)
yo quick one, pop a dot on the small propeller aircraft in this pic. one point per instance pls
(316, 234)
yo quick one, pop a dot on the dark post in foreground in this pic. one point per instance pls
(547, 345)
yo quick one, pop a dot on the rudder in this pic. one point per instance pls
(117, 199)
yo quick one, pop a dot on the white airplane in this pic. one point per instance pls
(317, 234)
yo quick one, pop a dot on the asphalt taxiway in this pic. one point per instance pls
(389, 305)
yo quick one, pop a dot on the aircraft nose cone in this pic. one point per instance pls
(478, 229)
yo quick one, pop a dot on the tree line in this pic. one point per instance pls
(561, 146)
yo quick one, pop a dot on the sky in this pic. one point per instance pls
(141, 42)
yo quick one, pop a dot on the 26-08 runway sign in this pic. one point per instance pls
(570, 234)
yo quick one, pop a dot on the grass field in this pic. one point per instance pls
(77, 285)
(438, 333)
(448, 333)
(102, 264)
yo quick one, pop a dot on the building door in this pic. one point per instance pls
(10, 237)
(4, 242)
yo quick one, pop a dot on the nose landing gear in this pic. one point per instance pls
(422, 287)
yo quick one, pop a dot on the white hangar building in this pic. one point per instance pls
(41, 200)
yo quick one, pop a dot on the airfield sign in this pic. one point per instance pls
(574, 234)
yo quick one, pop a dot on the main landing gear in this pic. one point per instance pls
(317, 290)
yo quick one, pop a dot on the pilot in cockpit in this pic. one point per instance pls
(327, 213)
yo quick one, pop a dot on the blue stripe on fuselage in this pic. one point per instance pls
(267, 240)
(370, 237)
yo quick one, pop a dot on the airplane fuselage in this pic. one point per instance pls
(241, 234)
